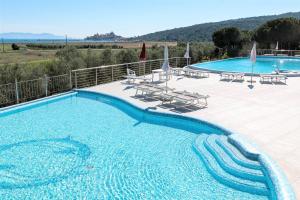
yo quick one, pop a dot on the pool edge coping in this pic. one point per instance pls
(283, 189)
(36, 101)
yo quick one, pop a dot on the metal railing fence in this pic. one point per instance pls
(104, 74)
(276, 52)
(22, 91)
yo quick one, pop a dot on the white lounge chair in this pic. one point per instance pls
(131, 77)
(176, 71)
(166, 97)
(147, 90)
(279, 78)
(238, 76)
(226, 76)
(162, 87)
(273, 78)
(183, 98)
(265, 78)
(195, 95)
(195, 73)
(165, 76)
(232, 76)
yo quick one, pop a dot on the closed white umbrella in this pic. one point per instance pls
(166, 67)
(276, 48)
(253, 59)
(187, 53)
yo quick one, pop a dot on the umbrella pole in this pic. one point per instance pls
(167, 81)
(251, 74)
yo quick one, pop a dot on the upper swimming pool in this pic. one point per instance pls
(263, 65)
(91, 146)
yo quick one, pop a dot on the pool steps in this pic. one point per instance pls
(225, 161)
(229, 171)
(236, 155)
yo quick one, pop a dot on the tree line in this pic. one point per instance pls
(70, 58)
(234, 42)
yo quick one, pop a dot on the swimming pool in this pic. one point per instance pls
(263, 65)
(91, 146)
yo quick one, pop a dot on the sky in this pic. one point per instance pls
(80, 18)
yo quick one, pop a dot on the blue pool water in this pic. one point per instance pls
(86, 146)
(263, 65)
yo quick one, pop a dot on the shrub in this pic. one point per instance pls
(15, 46)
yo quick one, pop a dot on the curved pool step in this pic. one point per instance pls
(228, 164)
(236, 155)
(212, 165)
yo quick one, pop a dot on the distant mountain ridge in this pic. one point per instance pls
(203, 32)
(41, 36)
(198, 32)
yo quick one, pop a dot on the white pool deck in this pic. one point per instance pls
(268, 115)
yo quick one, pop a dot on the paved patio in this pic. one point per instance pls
(268, 115)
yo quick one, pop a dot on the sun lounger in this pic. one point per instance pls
(166, 94)
(279, 79)
(226, 76)
(195, 95)
(272, 78)
(147, 90)
(265, 78)
(232, 76)
(131, 77)
(183, 98)
(176, 71)
(165, 76)
(238, 76)
(162, 87)
(195, 73)
(166, 97)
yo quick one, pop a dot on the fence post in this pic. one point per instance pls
(75, 79)
(70, 81)
(46, 84)
(176, 62)
(112, 73)
(139, 65)
(150, 67)
(96, 76)
(17, 90)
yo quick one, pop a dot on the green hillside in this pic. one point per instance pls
(203, 32)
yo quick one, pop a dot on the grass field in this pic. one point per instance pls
(25, 55)
(5, 47)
